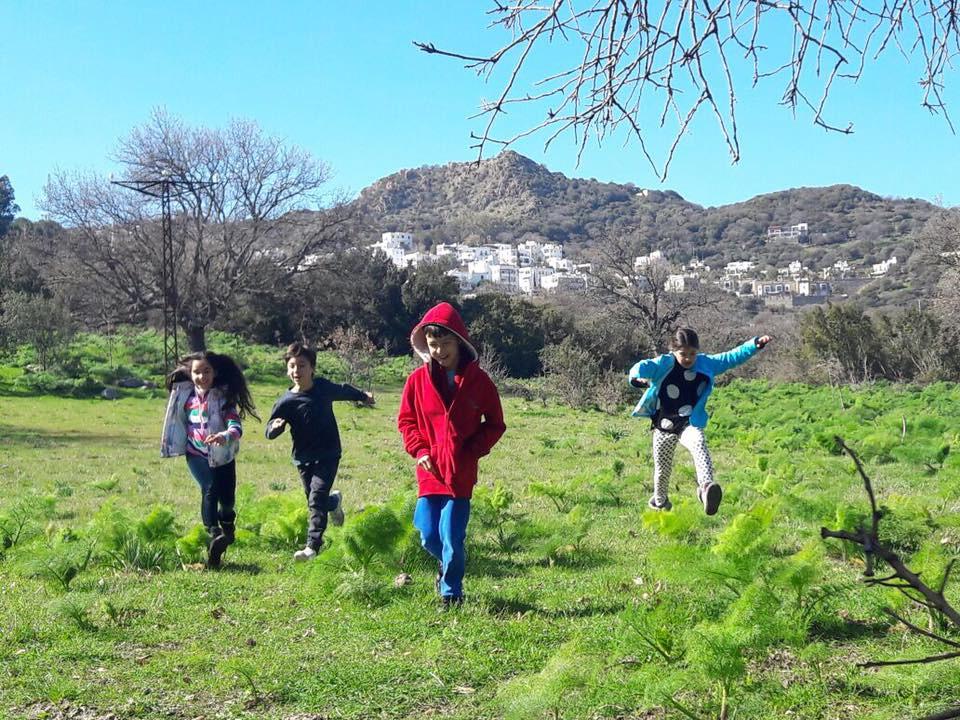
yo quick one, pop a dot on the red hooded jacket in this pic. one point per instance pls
(455, 437)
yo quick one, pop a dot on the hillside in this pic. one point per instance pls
(507, 197)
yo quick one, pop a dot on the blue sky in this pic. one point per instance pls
(343, 80)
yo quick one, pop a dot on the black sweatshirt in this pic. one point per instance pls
(310, 417)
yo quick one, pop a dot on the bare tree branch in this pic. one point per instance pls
(902, 579)
(629, 58)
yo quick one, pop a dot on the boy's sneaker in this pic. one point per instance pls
(653, 505)
(451, 601)
(336, 515)
(215, 549)
(308, 553)
(710, 495)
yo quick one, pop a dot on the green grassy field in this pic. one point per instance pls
(580, 603)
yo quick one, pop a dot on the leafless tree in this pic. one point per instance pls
(634, 65)
(939, 239)
(636, 294)
(239, 217)
(903, 579)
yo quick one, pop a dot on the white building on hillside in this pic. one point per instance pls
(882, 268)
(738, 267)
(563, 282)
(479, 271)
(446, 250)
(679, 283)
(507, 276)
(551, 251)
(396, 246)
(528, 279)
(791, 231)
(397, 239)
(643, 261)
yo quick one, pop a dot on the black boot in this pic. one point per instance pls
(216, 547)
(229, 531)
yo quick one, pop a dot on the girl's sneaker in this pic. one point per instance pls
(653, 505)
(308, 553)
(710, 495)
(336, 515)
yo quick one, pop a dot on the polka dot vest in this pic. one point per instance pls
(679, 392)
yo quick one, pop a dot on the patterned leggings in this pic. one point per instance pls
(664, 447)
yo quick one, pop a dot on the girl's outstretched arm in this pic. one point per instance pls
(737, 356)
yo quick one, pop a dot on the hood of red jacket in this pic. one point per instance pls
(446, 316)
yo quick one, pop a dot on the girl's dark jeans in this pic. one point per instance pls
(218, 490)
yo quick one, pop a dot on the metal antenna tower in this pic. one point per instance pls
(166, 187)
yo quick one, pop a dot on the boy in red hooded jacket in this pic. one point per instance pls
(450, 417)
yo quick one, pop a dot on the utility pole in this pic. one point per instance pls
(165, 187)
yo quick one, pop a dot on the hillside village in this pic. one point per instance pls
(532, 268)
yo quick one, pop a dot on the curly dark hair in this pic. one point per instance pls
(227, 376)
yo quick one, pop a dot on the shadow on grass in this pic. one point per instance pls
(849, 630)
(502, 607)
(245, 568)
(36, 437)
(493, 566)
(485, 560)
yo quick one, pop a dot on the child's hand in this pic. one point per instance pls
(369, 401)
(276, 424)
(640, 382)
(763, 340)
(218, 439)
(426, 463)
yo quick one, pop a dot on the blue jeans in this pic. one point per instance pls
(442, 522)
(218, 490)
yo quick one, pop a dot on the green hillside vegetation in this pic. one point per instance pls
(580, 602)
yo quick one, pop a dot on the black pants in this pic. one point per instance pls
(317, 479)
(218, 490)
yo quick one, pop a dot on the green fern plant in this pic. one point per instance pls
(159, 526)
(192, 547)
(496, 509)
(77, 613)
(560, 495)
(61, 564)
(372, 537)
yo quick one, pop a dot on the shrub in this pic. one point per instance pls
(571, 373)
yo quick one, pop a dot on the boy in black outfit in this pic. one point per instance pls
(308, 408)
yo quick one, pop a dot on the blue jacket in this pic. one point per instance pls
(656, 369)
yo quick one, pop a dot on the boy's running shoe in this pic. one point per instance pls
(336, 515)
(308, 553)
(710, 495)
